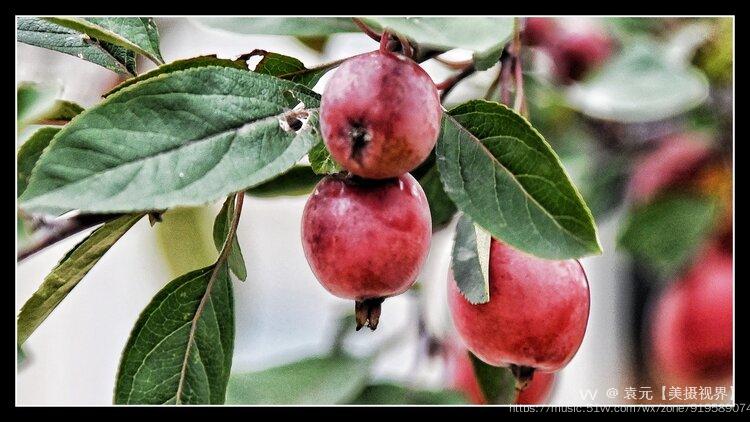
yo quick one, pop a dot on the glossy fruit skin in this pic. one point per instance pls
(366, 239)
(380, 115)
(673, 161)
(536, 316)
(691, 333)
(538, 390)
(462, 378)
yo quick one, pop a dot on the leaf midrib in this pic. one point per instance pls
(521, 187)
(248, 124)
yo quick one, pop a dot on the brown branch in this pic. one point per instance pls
(366, 29)
(506, 62)
(50, 232)
(520, 101)
(447, 85)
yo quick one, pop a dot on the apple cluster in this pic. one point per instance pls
(366, 231)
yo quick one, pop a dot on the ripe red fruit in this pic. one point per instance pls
(536, 316)
(462, 378)
(691, 334)
(380, 115)
(672, 162)
(576, 53)
(366, 239)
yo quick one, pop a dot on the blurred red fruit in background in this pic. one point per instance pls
(671, 163)
(691, 332)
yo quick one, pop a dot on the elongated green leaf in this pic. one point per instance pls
(289, 68)
(470, 260)
(299, 180)
(497, 384)
(136, 34)
(222, 224)
(200, 61)
(182, 138)
(321, 160)
(640, 85)
(297, 26)
(502, 173)
(34, 101)
(62, 111)
(321, 380)
(667, 232)
(66, 275)
(29, 153)
(43, 33)
(388, 393)
(441, 206)
(180, 350)
(483, 35)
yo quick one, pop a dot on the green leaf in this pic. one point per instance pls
(43, 33)
(288, 68)
(502, 173)
(62, 111)
(666, 233)
(29, 153)
(34, 101)
(320, 380)
(182, 138)
(69, 272)
(316, 43)
(180, 350)
(200, 61)
(470, 260)
(300, 26)
(20, 356)
(185, 238)
(136, 34)
(640, 85)
(299, 180)
(482, 35)
(388, 393)
(321, 160)
(441, 206)
(497, 384)
(222, 224)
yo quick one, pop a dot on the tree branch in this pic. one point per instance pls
(52, 231)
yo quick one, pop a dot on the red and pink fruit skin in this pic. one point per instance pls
(691, 331)
(462, 378)
(536, 316)
(366, 239)
(672, 162)
(380, 115)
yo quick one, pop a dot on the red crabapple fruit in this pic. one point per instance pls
(536, 316)
(691, 332)
(366, 239)
(380, 115)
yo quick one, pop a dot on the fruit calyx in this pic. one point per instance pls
(367, 312)
(523, 375)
